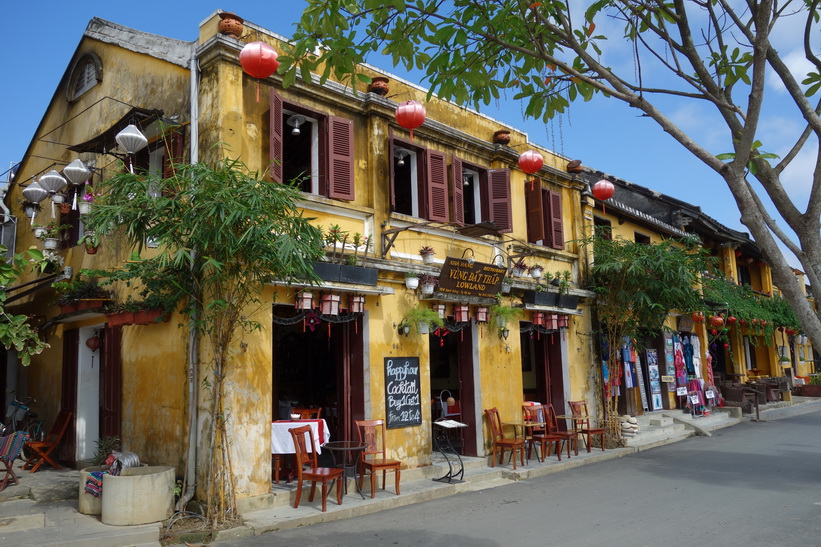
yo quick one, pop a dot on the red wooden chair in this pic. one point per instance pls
(581, 423)
(41, 450)
(500, 443)
(372, 433)
(313, 472)
(10, 448)
(569, 437)
(540, 433)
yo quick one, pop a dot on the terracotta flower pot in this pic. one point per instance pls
(65, 208)
(502, 136)
(379, 85)
(120, 319)
(230, 24)
(91, 250)
(146, 317)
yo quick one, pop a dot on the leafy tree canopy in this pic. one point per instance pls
(15, 329)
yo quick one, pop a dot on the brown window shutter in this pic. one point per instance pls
(276, 136)
(457, 191)
(340, 158)
(499, 197)
(556, 227)
(535, 215)
(390, 169)
(437, 187)
(174, 144)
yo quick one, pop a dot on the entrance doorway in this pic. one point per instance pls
(451, 371)
(542, 367)
(319, 364)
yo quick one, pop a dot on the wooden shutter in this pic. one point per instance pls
(111, 380)
(275, 136)
(556, 228)
(533, 208)
(340, 158)
(437, 187)
(499, 194)
(391, 168)
(68, 393)
(174, 145)
(457, 191)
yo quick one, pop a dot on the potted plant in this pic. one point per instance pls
(427, 252)
(535, 271)
(80, 294)
(501, 314)
(423, 317)
(428, 283)
(52, 234)
(519, 267)
(411, 280)
(84, 203)
(540, 296)
(39, 231)
(505, 286)
(566, 300)
(30, 208)
(91, 241)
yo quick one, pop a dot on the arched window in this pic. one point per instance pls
(87, 72)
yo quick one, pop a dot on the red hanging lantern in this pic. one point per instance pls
(563, 321)
(410, 115)
(258, 59)
(329, 304)
(530, 162)
(304, 300)
(93, 343)
(602, 191)
(481, 314)
(440, 310)
(461, 313)
(356, 303)
(731, 320)
(717, 321)
(538, 318)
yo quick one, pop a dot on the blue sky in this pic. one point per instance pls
(604, 134)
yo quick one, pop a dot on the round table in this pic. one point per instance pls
(346, 455)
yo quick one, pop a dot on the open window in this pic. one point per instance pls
(419, 181)
(480, 195)
(312, 150)
(544, 215)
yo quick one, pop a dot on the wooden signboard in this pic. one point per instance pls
(460, 277)
(403, 402)
(640, 382)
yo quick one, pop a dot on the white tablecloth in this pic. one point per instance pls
(283, 443)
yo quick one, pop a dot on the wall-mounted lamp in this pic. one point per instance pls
(404, 328)
(466, 180)
(295, 121)
(472, 258)
(504, 333)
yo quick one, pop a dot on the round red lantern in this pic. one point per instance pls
(410, 115)
(603, 190)
(698, 317)
(717, 321)
(531, 161)
(258, 59)
(714, 332)
(93, 343)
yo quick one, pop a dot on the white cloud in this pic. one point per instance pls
(798, 66)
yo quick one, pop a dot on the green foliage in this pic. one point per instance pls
(105, 446)
(422, 314)
(80, 288)
(54, 230)
(502, 314)
(89, 239)
(15, 329)
(637, 285)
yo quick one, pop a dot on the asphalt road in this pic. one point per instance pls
(753, 484)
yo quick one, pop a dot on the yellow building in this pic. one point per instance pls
(453, 186)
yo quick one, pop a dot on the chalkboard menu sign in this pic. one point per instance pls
(403, 402)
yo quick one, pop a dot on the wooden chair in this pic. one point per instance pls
(40, 450)
(581, 423)
(372, 433)
(313, 472)
(307, 413)
(500, 443)
(569, 437)
(540, 434)
(10, 448)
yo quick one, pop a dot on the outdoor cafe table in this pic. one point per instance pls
(283, 443)
(524, 425)
(578, 420)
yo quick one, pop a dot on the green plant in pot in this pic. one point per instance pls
(422, 318)
(502, 314)
(91, 241)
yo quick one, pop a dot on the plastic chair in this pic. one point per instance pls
(581, 423)
(10, 448)
(313, 472)
(40, 450)
(372, 433)
(500, 443)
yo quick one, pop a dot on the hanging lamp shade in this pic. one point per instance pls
(258, 59)
(602, 191)
(131, 139)
(52, 182)
(35, 193)
(93, 343)
(76, 172)
(531, 161)
(410, 115)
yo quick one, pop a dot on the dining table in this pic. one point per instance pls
(283, 443)
(524, 426)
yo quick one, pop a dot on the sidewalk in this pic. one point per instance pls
(42, 510)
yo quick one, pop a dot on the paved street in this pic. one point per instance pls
(752, 484)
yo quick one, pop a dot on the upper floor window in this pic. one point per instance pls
(641, 238)
(312, 150)
(480, 195)
(544, 215)
(87, 72)
(603, 227)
